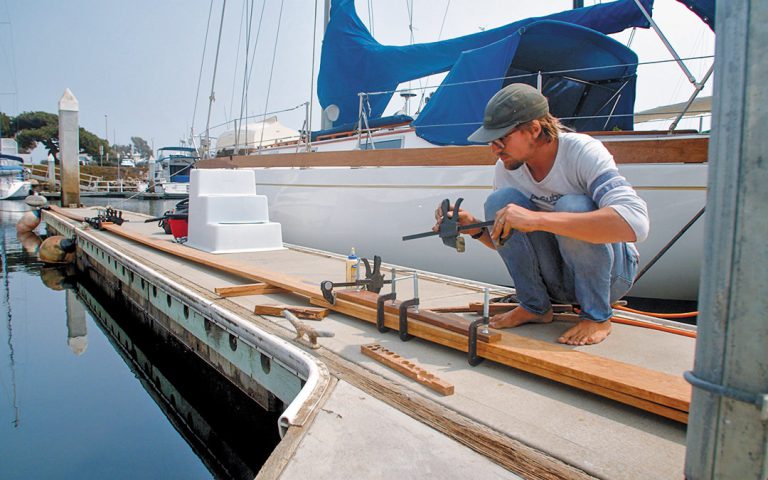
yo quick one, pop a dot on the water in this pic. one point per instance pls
(74, 404)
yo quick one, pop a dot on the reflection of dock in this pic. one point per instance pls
(231, 446)
(499, 420)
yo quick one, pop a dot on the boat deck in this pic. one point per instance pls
(372, 419)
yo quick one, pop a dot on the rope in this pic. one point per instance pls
(668, 316)
(272, 69)
(648, 325)
(202, 62)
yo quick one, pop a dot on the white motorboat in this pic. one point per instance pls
(13, 184)
(169, 174)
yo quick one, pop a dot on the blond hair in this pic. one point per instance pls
(550, 127)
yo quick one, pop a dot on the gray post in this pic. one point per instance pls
(69, 148)
(727, 437)
(51, 173)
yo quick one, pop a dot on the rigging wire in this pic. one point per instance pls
(202, 62)
(271, 70)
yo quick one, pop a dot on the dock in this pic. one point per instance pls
(344, 413)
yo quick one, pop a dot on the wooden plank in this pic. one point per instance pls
(453, 323)
(259, 288)
(407, 368)
(309, 313)
(623, 382)
(458, 342)
(662, 149)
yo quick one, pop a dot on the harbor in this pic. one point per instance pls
(482, 255)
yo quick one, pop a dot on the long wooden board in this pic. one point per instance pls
(458, 342)
(661, 393)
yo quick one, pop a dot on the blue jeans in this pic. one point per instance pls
(546, 267)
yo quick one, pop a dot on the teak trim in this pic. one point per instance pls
(406, 367)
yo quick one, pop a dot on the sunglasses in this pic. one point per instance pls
(501, 142)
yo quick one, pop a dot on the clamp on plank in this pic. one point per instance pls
(372, 282)
(472, 358)
(449, 229)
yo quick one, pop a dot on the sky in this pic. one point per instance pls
(135, 66)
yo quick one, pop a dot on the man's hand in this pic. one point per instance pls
(465, 218)
(513, 217)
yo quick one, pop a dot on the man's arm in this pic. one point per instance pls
(604, 225)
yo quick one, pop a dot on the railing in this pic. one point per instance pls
(88, 183)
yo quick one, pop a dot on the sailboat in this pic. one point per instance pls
(368, 179)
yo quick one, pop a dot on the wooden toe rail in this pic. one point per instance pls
(657, 392)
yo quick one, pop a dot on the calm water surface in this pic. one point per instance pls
(74, 403)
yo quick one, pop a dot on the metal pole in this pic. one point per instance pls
(69, 148)
(728, 423)
(212, 97)
(666, 43)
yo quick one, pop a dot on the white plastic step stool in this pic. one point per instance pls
(226, 215)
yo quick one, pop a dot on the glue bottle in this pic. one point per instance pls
(352, 264)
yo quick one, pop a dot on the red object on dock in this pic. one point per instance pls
(179, 226)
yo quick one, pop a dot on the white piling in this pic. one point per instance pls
(69, 149)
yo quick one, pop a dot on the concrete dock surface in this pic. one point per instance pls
(365, 426)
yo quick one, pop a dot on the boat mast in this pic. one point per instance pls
(207, 146)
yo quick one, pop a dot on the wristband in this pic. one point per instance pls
(479, 234)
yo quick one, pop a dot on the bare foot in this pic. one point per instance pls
(517, 317)
(586, 332)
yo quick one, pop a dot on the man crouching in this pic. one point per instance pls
(566, 216)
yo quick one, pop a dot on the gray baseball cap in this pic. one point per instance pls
(512, 105)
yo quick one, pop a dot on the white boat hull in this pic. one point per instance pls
(12, 188)
(371, 208)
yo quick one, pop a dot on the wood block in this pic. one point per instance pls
(308, 313)
(259, 288)
(407, 368)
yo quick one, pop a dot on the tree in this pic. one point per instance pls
(5, 125)
(142, 147)
(31, 128)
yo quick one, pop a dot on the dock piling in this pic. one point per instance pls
(69, 148)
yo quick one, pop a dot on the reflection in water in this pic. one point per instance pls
(9, 323)
(77, 328)
(230, 433)
(86, 411)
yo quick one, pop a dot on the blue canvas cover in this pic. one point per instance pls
(705, 9)
(353, 61)
(601, 98)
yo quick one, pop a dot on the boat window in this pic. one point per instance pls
(383, 144)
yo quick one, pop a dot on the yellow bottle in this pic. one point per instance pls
(352, 264)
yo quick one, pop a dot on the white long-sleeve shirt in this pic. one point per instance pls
(582, 166)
